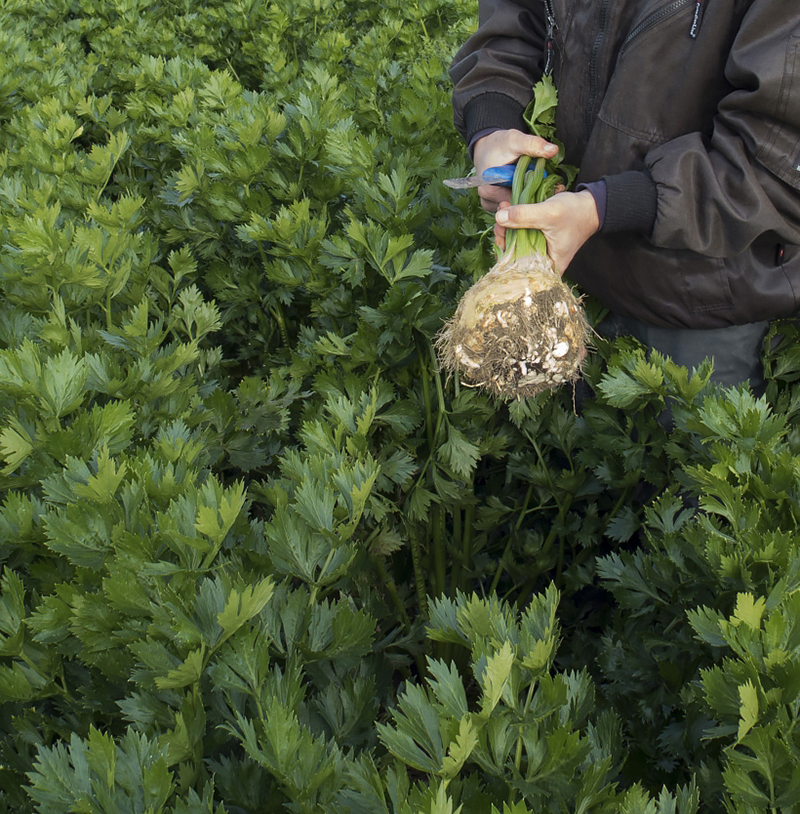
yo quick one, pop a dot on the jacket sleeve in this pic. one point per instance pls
(495, 70)
(717, 194)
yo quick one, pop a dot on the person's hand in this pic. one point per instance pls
(567, 221)
(505, 147)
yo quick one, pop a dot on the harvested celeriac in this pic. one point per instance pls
(520, 329)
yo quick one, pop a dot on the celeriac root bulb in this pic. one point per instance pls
(517, 332)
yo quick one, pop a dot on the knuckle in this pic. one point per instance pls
(520, 142)
(527, 215)
(537, 144)
(555, 208)
(489, 193)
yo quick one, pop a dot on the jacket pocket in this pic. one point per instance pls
(666, 83)
(764, 281)
(706, 284)
(654, 18)
(758, 284)
(780, 150)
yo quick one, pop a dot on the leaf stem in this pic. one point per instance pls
(391, 587)
(528, 187)
(518, 182)
(316, 586)
(455, 576)
(439, 546)
(518, 755)
(500, 567)
(426, 396)
(622, 500)
(419, 574)
(554, 529)
(108, 310)
(466, 543)
(277, 312)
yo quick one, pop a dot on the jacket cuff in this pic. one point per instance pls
(631, 203)
(493, 110)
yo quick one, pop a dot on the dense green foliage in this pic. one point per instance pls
(257, 554)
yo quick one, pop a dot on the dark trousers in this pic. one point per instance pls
(735, 350)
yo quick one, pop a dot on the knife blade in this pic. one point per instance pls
(498, 176)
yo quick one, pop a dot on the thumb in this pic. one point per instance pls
(502, 215)
(536, 146)
(519, 216)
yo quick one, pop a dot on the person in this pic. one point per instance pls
(684, 119)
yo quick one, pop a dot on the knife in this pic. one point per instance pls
(498, 176)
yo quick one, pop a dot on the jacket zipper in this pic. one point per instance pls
(593, 78)
(551, 27)
(661, 14)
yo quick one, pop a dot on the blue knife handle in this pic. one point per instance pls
(502, 176)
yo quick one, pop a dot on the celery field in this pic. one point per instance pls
(257, 553)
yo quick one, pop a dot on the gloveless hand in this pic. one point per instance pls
(505, 147)
(567, 221)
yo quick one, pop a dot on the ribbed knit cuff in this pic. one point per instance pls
(631, 203)
(493, 110)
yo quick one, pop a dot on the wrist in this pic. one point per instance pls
(600, 194)
(589, 215)
(477, 137)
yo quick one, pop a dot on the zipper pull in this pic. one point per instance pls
(551, 27)
(697, 19)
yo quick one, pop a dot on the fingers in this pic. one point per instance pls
(530, 216)
(500, 237)
(567, 221)
(506, 146)
(493, 196)
(560, 211)
(526, 144)
(500, 231)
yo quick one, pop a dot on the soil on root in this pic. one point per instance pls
(517, 349)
